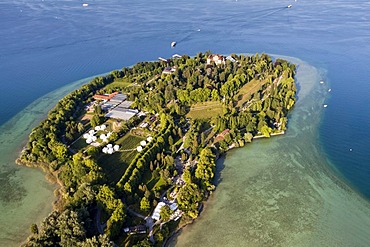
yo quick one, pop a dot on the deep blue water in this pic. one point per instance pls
(47, 44)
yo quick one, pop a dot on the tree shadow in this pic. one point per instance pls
(220, 165)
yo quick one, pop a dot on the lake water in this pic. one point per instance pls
(279, 191)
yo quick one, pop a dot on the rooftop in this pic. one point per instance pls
(121, 113)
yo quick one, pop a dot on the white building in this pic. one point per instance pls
(156, 214)
(216, 58)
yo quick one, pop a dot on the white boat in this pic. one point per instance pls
(173, 44)
(325, 106)
(321, 82)
(85, 4)
(289, 6)
(176, 56)
(162, 59)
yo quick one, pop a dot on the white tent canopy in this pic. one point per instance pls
(143, 143)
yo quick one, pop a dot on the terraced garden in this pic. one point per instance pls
(114, 165)
(205, 110)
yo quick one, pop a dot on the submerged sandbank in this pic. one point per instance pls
(282, 191)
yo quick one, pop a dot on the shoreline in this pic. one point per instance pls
(290, 71)
(50, 177)
(310, 183)
(53, 179)
(205, 204)
(32, 183)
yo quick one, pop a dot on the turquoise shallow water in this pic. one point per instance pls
(25, 196)
(281, 191)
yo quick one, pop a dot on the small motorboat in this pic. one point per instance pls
(173, 44)
(289, 6)
(85, 4)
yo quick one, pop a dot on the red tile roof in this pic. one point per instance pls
(104, 96)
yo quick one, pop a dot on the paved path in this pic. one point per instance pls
(136, 214)
(148, 223)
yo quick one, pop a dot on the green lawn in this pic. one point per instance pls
(114, 165)
(247, 90)
(152, 182)
(159, 185)
(79, 144)
(127, 142)
(119, 84)
(205, 110)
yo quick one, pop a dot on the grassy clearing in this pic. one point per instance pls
(205, 110)
(114, 165)
(247, 90)
(127, 142)
(79, 144)
(159, 185)
(119, 84)
(152, 182)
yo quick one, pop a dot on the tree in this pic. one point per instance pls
(170, 141)
(116, 220)
(188, 199)
(165, 213)
(93, 151)
(248, 137)
(98, 111)
(205, 168)
(95, 121)
(114, 137)
(100, 241)
(265, 130)
(187, 176)
(34, 229)
(70, 228)
(144, 243)
(145, 204)
(80, 127)
(59, 150)
(127, 187)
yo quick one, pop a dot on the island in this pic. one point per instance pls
(135, 151)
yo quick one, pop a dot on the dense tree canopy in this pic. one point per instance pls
(246, 96)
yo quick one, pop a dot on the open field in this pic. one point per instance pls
(247, 90)
(114, 165)
(79, 144)
(118, 84)
(128, 142)
(205, 110)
